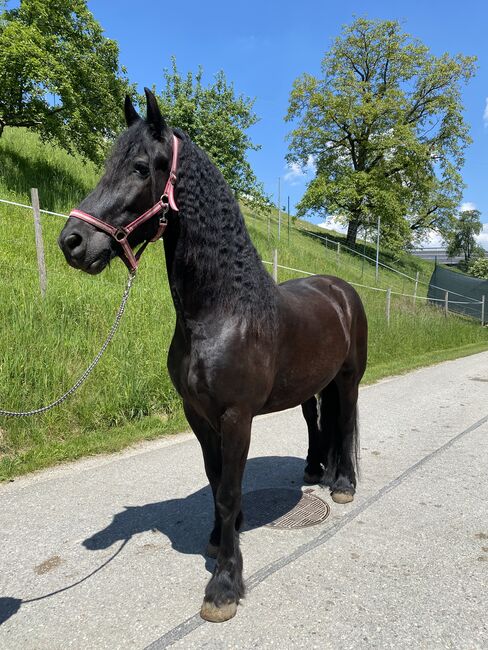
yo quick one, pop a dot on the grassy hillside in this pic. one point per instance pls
(46, 344)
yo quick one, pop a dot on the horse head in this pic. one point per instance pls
(135, 177)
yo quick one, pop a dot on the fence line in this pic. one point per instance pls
(386, 266)
(372, 259)
(365, 286)
(29, 207)
(388, 292)
(473, 301)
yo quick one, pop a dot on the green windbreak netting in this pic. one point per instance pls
(465, 293)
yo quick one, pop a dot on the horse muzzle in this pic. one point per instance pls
(85, 248)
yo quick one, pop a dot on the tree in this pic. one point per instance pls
(462, 239)
(384, 127)
(217, 120)
(60, 76)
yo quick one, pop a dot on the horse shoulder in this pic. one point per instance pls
(227, 361)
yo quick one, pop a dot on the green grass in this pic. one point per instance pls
(46, 344)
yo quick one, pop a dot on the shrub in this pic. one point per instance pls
(479, 268)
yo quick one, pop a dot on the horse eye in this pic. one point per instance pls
(142, 169)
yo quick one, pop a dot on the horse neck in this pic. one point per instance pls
(212, 264)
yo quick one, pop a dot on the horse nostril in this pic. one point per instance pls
(73, 241)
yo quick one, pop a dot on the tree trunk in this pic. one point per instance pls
(352, 232)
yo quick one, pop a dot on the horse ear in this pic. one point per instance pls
(131, 115)
(154, 117)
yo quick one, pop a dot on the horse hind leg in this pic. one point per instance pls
(314, 472)
(339, 425)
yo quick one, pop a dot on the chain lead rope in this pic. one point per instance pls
(88, 371)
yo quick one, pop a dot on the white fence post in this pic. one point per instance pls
(446, 303)
(388, 305)
(39, 243)
(482, 310)
(415, 289)
(275, 265)
(338, 254)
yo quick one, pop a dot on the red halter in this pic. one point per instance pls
(121, 233)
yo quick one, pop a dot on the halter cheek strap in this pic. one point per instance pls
(121, 233)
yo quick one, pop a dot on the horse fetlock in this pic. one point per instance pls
(226, 585)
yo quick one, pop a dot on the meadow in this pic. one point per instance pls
(47, 343)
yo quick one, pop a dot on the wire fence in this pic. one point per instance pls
(444, 302)
(386, 266)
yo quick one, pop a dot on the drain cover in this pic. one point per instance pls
(283, 508)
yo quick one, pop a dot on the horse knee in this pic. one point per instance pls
(228, 503)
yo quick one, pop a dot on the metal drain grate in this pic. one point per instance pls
(283, 508)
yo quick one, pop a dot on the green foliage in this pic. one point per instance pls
(384, 127)
(479, 268)
(461, 239)
(60, 76)
(217, 120)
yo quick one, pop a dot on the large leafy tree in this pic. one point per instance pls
(384, 126)
(462, 238)
(217, 119)
(59, 75)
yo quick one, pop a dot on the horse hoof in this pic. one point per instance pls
(342, 497)
(214, 614)
(212, 551)
(312, 479)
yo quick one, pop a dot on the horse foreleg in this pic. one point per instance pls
(226, 586)
(210, 443)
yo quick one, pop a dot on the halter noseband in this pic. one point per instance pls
(121, 233)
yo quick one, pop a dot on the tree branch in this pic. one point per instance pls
(420, 222)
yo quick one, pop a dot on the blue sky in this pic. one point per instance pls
(263, 47)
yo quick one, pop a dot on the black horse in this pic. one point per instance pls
(242, 345)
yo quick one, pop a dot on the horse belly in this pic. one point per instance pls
(314, 345)
(296, 384)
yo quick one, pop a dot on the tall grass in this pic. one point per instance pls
(46, 344)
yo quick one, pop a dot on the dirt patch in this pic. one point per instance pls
(481, 535)
(48, 565)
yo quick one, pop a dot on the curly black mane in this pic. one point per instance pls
(216, 262)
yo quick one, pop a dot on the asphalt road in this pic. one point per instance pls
(107, 552)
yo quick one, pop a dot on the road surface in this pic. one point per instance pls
(107, 552)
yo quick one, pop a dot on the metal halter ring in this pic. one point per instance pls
(120, 235)
(165, 203)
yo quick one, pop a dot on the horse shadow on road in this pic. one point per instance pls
(187, 522)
